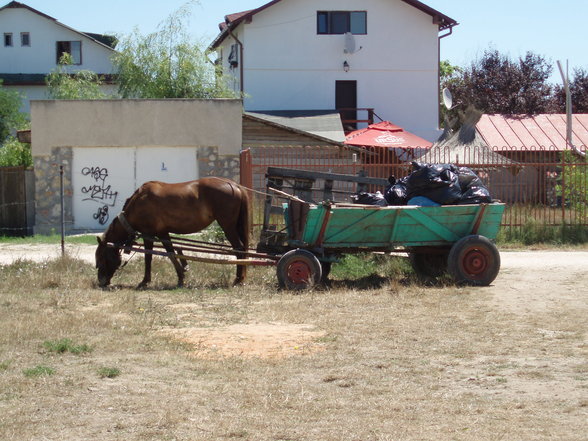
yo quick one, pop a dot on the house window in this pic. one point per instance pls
(340, 22)
(7, 39)
(73, 48)
(25, 39)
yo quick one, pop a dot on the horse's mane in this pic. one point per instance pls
(126, 204)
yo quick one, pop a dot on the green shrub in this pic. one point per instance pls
(38, 371)
(535, 232)
(65, 345)
(108, 372)
(14, 153)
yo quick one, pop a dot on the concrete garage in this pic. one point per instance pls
(107, 148)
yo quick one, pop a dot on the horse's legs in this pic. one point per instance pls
(233, 237)
(184, 262)
(166, 241)
(148, 245)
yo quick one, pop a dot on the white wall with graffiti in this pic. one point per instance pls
(103, 178)
(108, 148)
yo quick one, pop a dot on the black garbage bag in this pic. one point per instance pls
(369, 199)
(395, 193)
(473, 190)
(438, 182)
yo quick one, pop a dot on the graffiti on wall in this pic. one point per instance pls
(100, 192)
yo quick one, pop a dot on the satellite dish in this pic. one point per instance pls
(447, 99)
(349, 43)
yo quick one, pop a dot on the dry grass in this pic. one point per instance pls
(397, 361)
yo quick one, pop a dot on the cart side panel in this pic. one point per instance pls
(377, 227)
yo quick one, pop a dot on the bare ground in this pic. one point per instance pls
(509, 361)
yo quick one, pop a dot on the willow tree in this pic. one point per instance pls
(167, 64)
(81, 85)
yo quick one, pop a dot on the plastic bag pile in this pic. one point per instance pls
(430, 185)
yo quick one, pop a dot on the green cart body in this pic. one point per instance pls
(451, 238)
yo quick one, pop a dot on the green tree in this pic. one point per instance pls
(166, 64)
(573, 183)
(449, 75)
(14, 153)
(80, 85)
(11, 118)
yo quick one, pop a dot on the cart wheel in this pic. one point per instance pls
(429, 265)
(474, 260)
(298, 269)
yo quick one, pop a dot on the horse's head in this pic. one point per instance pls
(108, 260)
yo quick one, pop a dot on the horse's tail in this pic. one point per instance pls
(243, 221)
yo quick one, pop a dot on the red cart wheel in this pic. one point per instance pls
(474, 260)
(298, 269)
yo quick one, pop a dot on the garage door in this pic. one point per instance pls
(104, 177)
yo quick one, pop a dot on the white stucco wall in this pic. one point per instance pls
(287, 66)
(40, 57)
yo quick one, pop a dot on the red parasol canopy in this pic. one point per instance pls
(386, 134)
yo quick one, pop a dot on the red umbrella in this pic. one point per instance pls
(386, 134)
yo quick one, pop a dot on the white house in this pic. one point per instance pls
(339, 54)
(32, 43)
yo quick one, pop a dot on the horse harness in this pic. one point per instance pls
(132, 233)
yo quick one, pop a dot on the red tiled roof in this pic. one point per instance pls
(532, 131)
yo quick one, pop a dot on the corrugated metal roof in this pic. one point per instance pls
(532, 131)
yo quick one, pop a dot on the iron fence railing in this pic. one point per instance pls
(541, 184)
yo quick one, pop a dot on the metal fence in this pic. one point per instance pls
(542, 184)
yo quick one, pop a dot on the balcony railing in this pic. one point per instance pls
(350, 117)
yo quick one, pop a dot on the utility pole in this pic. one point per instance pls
(569, 131)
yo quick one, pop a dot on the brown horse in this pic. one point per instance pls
(157, 209)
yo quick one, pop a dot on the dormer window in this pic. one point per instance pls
(341, 22)
(73, 48)
(7, 39)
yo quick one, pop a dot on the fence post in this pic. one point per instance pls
(246, 168)
(61, 198)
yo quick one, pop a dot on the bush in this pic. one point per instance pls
(14, 153)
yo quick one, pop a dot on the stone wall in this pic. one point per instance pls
(48, 191)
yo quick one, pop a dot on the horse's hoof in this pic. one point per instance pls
(239, 282)
(142, 285)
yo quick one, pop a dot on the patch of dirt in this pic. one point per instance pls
(260, 340)
(541, 281)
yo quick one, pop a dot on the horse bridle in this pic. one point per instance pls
(132, 233)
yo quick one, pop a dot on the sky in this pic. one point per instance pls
(554, 29)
